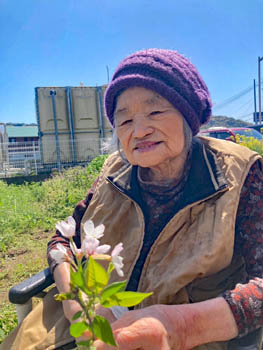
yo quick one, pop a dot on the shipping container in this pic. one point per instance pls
(72, 124)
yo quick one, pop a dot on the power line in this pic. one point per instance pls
(244, 116)
(246, 104)
(249, 120)
(233, 98)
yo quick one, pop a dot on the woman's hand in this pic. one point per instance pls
(71, 307)
(106, 313)
(174, 327)
(148, 329)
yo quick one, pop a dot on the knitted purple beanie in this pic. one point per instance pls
(170, 75)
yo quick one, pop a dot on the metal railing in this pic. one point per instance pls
(27, 158)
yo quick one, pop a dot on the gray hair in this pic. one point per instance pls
(111, 144)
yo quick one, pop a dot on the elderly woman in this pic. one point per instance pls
(187, 209)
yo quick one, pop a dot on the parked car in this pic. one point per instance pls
(230, 133)
(258, 127)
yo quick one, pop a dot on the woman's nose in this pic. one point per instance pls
(141, 128)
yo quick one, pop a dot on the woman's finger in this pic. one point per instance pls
(145, 334)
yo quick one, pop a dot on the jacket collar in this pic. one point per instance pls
(205, 176)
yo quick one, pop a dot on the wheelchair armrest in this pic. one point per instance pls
(251, 341)
(24, 291)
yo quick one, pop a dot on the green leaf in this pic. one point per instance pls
(125, 299)
(103, 331)
(77, 315)
(112, 289)
(64, 296)
(78, 328)
(95, 275)
(85, 343)
(110, 268)
(76, 278)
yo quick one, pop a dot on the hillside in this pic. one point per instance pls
(219, 120)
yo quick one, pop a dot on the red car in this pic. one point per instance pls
(230, 133)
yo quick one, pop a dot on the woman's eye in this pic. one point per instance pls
(125, 122)
(155, 112)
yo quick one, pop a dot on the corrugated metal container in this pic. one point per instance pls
(71, 122)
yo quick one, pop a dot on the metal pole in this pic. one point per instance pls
(7, 154)
(35, 157)
(101, 115)
(259, 89)
(71, 125)
(255, 102)
(40, 134)
(53, 94)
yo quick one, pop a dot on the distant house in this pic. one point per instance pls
(19, 144)
(21, 133)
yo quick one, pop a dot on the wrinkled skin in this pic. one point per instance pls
(148, 329)
(151, 133)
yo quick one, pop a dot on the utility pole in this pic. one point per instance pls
(259, 89)
(255, 103)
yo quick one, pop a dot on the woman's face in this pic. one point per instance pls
(149, 128)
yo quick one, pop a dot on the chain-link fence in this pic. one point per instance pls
(37, 157)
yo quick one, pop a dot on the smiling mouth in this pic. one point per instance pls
(146, 146)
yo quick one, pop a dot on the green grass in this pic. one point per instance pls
(28, 214)
(8, 320)
(37, 206)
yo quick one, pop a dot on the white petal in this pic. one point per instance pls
(117, 249)
(99, 231)
(71, 226)
(89, 228)
(119, 271)
(59, 227)
(65, 229)
(118, 264)
(117, 260)
(71, 221)
(102, 249)
(89, 245)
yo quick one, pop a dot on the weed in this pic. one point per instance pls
(251, 143)
(28, 214)
(8, 320)
(25, 208)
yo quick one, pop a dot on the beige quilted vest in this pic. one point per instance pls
(191, 260)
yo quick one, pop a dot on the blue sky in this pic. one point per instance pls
(65, 42)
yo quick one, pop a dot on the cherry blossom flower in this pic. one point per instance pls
(91, 231)
(67, 228)
(91, 246)
(77, 252)
(117, 259)
(60, 254)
